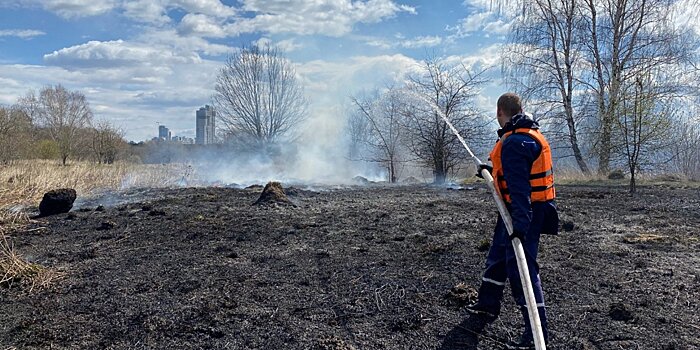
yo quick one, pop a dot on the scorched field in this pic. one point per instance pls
(362, 267)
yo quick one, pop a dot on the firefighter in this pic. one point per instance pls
(522, 172)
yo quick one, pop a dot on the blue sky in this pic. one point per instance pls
(144, 62)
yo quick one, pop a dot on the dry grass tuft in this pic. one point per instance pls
(575, 176)
(15, 271)
(23, 183)
(643, 238)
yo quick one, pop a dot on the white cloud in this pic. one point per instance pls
(201, 25)
(414, 43)
(331, 83)
(155, 11)
(381, 43)
(487, 16)
(77, 8)
(146, 11)
(21, 33)
(497, 27)
(212, 18)
(422, 41)
(207, 7)
(161, 71)
(287, 45)
(474, 22)
(485, 58)
(169, 38)
(114, 54)
(307, 17)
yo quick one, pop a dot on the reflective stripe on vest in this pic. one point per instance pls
(541, 175)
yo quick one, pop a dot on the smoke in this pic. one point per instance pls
(320, 152)
(319, 156)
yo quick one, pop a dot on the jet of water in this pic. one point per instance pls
(444, 117)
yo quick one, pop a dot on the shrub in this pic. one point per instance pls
(616, 175)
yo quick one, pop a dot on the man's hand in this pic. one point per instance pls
(517, 234)
(481, 167)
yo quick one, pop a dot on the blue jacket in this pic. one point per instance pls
(517, 155)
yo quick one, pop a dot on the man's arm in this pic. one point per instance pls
(518, 153)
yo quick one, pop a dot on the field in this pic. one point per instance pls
(358, 267)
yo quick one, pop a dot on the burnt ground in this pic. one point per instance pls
(364, 267)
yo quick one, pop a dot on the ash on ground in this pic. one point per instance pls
(364, 267)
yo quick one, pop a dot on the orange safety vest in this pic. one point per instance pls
(541, 175)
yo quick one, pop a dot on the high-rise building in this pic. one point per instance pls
(183, 140)
(164, 133)
(206, 128)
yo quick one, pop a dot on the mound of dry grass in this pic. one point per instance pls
(273, 193)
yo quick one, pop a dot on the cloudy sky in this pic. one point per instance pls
(144, 62)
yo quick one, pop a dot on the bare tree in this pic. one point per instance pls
(380, 116)
(258, 97)
(542, 62)
(15, 130)
(645, 125)
(625, 39)
(106, 141)
(448, 89)
(685, 149)
(62, 113)
(358, 132)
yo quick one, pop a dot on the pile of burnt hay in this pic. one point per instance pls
(411, 180)
(462, 294)
(272, 194)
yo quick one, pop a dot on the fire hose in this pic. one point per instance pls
(522, 262)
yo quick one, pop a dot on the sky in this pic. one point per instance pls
(142, 63)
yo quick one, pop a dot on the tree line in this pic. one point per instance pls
(615, 80)
(613, 83)
(57, 123)
(610, 83)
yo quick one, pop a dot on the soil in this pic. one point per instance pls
(366, 267)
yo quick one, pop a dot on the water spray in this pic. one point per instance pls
(531, 303)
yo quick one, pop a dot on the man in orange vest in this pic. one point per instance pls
(522, 172)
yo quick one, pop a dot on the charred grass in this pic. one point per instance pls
(373, 267)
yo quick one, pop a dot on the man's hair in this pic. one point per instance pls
(510, 103)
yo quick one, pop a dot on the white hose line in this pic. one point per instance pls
(532, 311)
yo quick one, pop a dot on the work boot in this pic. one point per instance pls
(489, 312)
(526, 340)
(524, 343)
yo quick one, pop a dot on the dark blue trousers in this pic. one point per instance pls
(501, 266)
